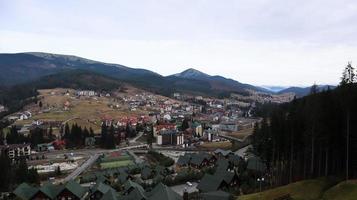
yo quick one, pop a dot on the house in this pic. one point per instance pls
(88, 93)
(25, 115)
(197, 127)
(110, 195)
(231, 178)
(228, 126)
(170, 137)
(255, 164)
(47, 191)
(184, 161)
(211, 183)
(72, 190)
(167, 117)
(2, 108)
(163, 127)
(130, 186)
(136, 194)
(223, 153)
(45, 147)
(161, 191)
(146, 173)
(199, 160)
(59, 144)
(222, 165)
(24, 191)
(99, 190)
(15, 151)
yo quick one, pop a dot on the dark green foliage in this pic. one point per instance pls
(161, 159)
(108, 140)
(15, 97)
(13, 173)
(14, 137)
(37, 136)
(75, 137)
(307, 137)
(33, 176)
(150, 135)
(58, 171)
(6, 172)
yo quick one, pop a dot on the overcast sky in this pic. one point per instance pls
(261, 42)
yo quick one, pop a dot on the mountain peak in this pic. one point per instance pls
(192, 73)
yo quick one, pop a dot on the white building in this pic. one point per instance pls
(16, 150)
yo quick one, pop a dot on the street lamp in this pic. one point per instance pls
(260, 180)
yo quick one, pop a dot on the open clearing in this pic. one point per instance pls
(217, 145)
(85, 111)
(116, 164)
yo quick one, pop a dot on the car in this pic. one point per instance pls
(189, 184)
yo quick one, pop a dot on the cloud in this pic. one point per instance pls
(261, 42)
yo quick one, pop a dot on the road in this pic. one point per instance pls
(137, 137)
(82, 168)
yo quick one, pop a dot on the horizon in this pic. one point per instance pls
(272, 43)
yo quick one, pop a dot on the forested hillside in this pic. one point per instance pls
(15, 97)
(312, 136)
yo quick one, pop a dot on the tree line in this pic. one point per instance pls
(13, 173)
(36, 136)
(312, 136)
(76, 135)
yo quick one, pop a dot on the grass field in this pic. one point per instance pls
(116, 164)
(217, 145)
(317, 189)
(242, 133)
(86, 112)
(342, 191)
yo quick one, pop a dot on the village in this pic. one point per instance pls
(185, 147)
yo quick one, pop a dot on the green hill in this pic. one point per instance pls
(316, 189)
(342, 191)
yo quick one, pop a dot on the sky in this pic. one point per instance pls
(261, 42)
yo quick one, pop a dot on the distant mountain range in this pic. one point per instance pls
(28, 67)
(303, 91)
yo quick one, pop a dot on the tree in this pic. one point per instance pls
(6, 174)
(67, 131)
(104, 134)
(33, 176)
(150, 136)
(110, 138)
(348, 75)
(58, 171)
(21, 172)
(37, 136)
(185, 124)
(91, 132)
(40, 104)
(347, 80)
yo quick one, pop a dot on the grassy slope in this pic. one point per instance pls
(342, 191)
(303, 190)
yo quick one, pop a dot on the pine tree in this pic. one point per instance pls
(104, 134)
(21, 172)
(33, 176)
(6, 174)
(348, 75)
